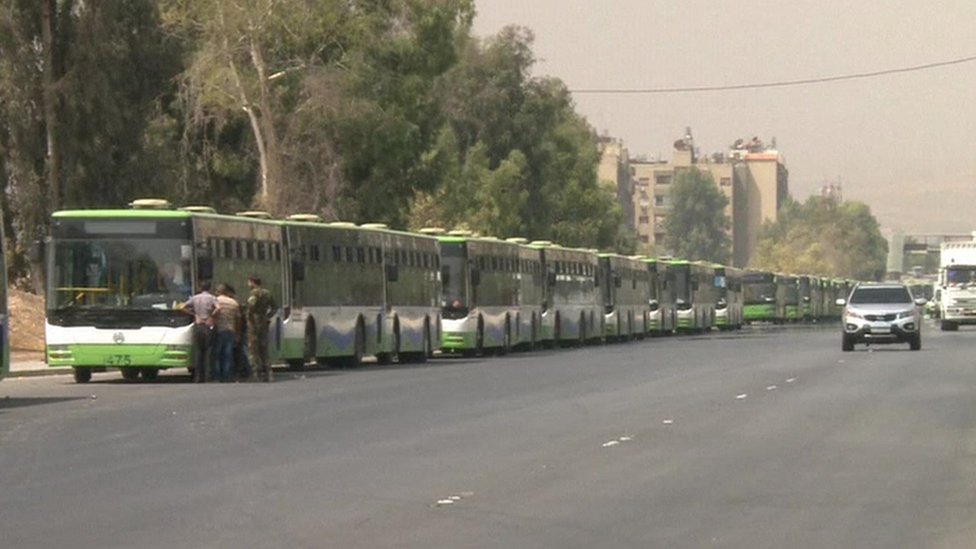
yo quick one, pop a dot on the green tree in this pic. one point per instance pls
(78, 81)
(503, 125)
(697, 226)
(824, 237)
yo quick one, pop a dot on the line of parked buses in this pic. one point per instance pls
(116, 280)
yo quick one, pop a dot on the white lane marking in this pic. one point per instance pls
(610, 443)
(626, 438)
(742, 396)
(668, 422)
(455, 498)
(841, 361)
(770, 387)
(445, 501)
(791, 380)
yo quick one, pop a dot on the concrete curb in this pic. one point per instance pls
(40, 372)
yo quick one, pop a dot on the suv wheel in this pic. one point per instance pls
(916, 343)
(846, 343)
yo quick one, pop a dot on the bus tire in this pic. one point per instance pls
(82, 375)
(150, 374)
(506, 338)
(557, 332)
(479, 341)
(424, 353)
(394, 354)
(947, 326)
(533, 334)
(582, 331)
(130, 374)
(308, 349)
(359, 347)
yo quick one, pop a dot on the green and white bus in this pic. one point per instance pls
(692, 285)
(625, 291)
(728, 303)
(573, 305)
(107, 304)
(787, 298)
(759, 296)
(117, 281)
(493, 294)
(357, 291)
(660, 298)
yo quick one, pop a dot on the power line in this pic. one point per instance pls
(778, 84)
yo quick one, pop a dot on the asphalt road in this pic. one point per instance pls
(770, 438)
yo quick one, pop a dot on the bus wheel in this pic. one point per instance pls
(394, 355)
(557, 333)
(82, 375)
(308, 350)
(533, 334)
(506, 339)
(359, 348)
(130, 374)
(582, 331)
(150, 374)
(479, 344)
(419, 356)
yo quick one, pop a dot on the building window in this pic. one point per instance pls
(643, 220)
(663, 179)
(725, 182)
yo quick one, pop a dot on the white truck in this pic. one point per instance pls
(957, 280)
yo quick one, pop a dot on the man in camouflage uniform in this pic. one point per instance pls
(260, 308)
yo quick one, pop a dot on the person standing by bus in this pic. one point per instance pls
(260, 308)
(227, 320)
(201, 306)
(242, 368)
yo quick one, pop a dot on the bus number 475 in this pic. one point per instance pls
(118, 360)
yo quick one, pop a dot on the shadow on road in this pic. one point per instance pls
(11, 403)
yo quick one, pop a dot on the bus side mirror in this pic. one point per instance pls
(840, 302)
(445, 275)
(205, 268)
(617, 281)
(37, 249)
(298, 271)
(551, 279)
(392, 273)
(694, 285)
(475, 277)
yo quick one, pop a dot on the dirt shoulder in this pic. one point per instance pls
(26, 324)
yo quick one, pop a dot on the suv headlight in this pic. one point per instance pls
(906, 314)
(855, 314)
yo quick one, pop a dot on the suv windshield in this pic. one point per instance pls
(863, 296)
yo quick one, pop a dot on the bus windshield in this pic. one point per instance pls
(680, 289)
(129, 273)
(957, 275)
(792, 294)
(759, 292)
(454, 274)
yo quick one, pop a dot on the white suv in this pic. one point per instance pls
(881, 313)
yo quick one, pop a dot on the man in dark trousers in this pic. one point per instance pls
(260, 309)
(201, 306)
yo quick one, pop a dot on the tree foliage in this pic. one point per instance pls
(362, 110)
(515, 157)
(97, 75)
(822, 236)
(697, 227)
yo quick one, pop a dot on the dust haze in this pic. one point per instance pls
(903, 143)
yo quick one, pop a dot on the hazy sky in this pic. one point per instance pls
(905, 144)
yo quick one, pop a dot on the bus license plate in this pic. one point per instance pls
(118, 360)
